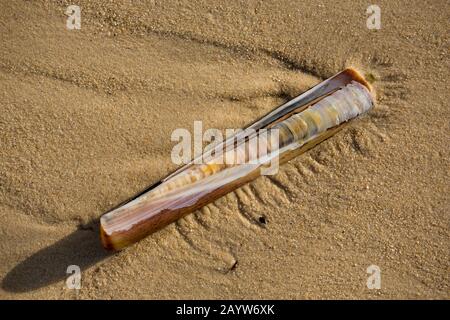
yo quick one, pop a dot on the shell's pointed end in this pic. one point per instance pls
(106, 239)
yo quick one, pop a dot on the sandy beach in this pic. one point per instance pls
(86, 118)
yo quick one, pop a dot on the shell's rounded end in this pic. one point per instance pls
(357, 76)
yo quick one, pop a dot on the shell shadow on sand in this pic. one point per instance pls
(49, 265)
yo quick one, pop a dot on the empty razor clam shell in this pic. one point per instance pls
(295, 126)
